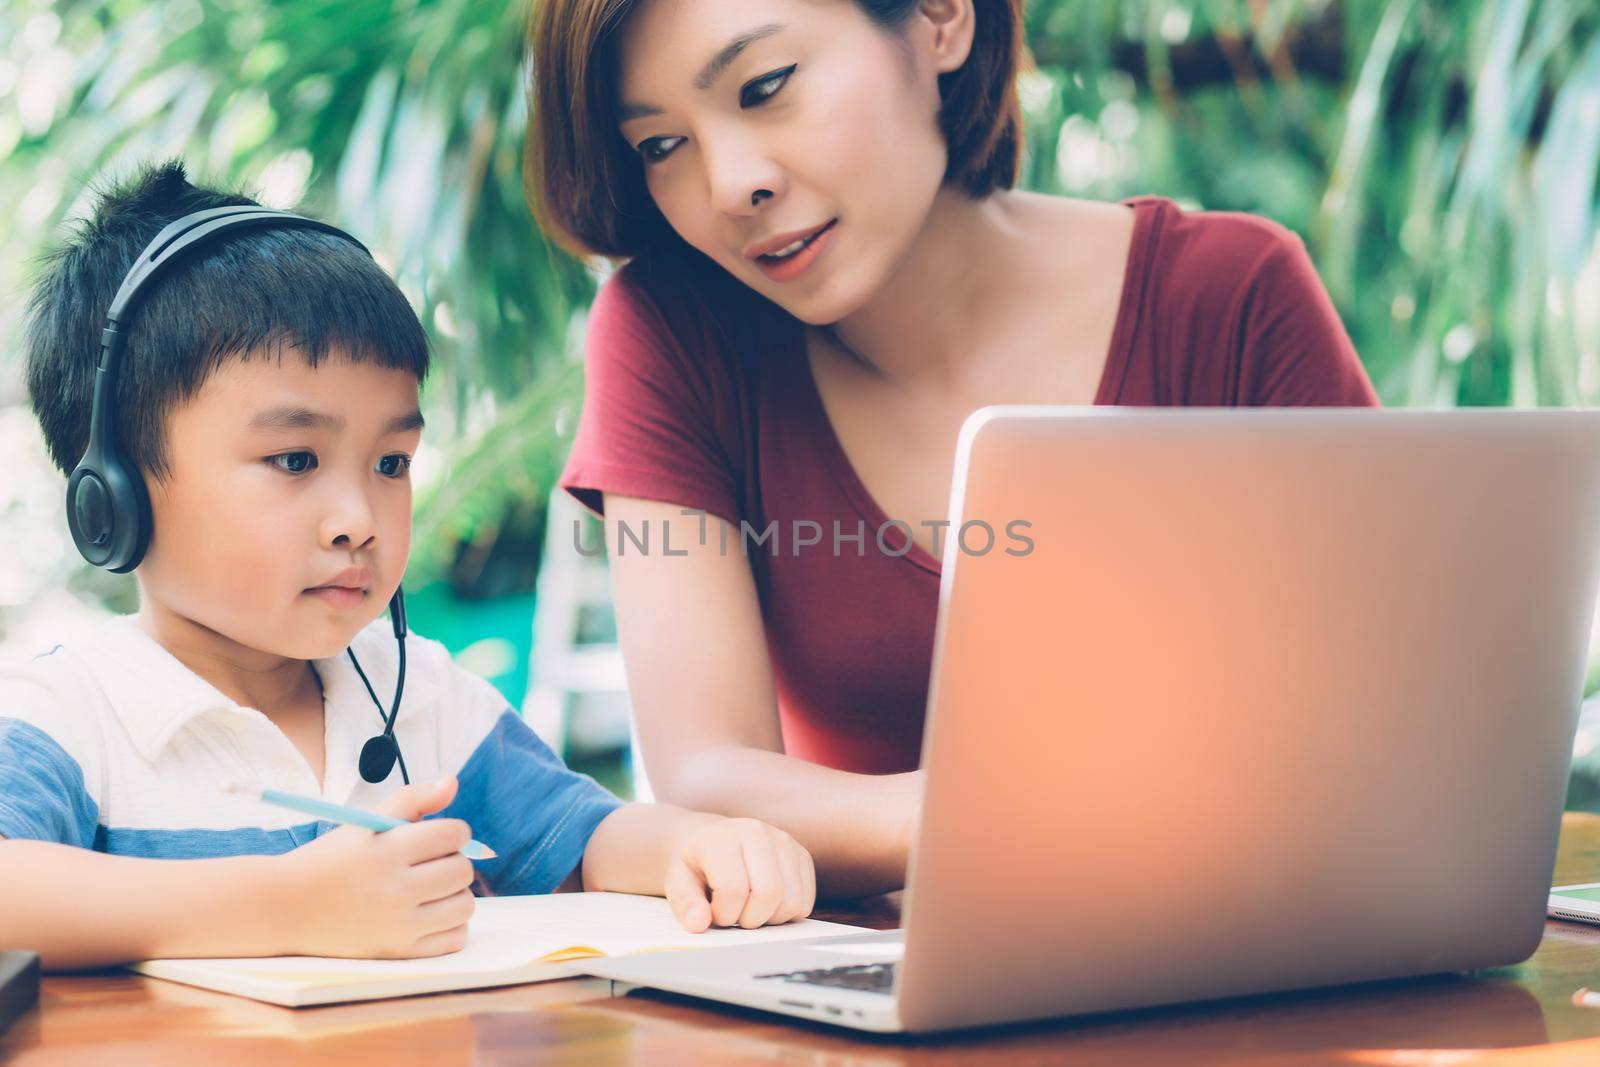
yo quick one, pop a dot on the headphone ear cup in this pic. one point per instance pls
(91, 516)
(108, 512)
(136, 497)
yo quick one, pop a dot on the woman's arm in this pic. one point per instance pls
(702, 691)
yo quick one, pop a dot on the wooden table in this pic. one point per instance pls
(1516, 1015)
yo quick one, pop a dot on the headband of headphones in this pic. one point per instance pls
(108, 508)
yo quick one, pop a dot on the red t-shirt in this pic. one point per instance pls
(699, 393)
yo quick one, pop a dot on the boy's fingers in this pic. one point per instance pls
(439, 878)
(721, 865)
(412, 802)
(687, 895)
(448, 913)
(808, 870)
(766, 881)
(427, 840)
(794, 884)
(440, 794)
(437, 944)
(402, 803)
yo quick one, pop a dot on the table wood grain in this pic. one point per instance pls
(1510, 1016)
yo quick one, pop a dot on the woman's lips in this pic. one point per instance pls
(787, 270)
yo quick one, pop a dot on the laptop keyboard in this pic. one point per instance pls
(864, 977)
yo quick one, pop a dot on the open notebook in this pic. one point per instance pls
(509, 941)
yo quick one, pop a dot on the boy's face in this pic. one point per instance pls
(285, 519)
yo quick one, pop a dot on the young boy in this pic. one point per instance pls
(269, 397)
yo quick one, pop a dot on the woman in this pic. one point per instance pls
(828, 270)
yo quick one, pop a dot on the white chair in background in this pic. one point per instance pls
(563, 673)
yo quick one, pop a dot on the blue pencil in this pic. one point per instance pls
(340, 813)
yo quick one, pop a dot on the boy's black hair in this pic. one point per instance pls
(259, 292)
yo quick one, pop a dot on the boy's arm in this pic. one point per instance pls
(81, 909)
(399, 894)
(350, 892)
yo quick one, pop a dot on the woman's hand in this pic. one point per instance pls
(737, 872)
(403, 893)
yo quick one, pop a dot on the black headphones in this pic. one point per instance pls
(108, 508)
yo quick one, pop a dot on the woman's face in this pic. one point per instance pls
(762, 122)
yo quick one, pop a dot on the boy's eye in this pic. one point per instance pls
(764, 88)
(294, 462)
(395, 465)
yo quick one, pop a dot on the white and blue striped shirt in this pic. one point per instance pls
(112, 744)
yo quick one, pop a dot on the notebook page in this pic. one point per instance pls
(488, 950)
(616, 924)
(508, 933)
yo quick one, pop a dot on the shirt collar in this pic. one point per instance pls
(375, 648)
(155, 695)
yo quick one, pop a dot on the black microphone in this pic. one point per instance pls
(380, 753)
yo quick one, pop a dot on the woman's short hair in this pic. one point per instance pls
(587, 187)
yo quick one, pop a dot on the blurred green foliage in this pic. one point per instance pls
(1440, 157)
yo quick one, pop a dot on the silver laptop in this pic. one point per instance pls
(1276, 699)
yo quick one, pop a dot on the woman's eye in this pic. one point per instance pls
(758, 92)
(294, 462)
(394, 466)
(752, 94)
(652, 149)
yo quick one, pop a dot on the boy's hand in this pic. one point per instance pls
(399, 894)
(754, 875)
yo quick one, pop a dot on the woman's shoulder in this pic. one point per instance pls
(688, 330)
(1212, 251)
(670, 380)
(1236, 298)
(683, 301)
(1214, 269)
